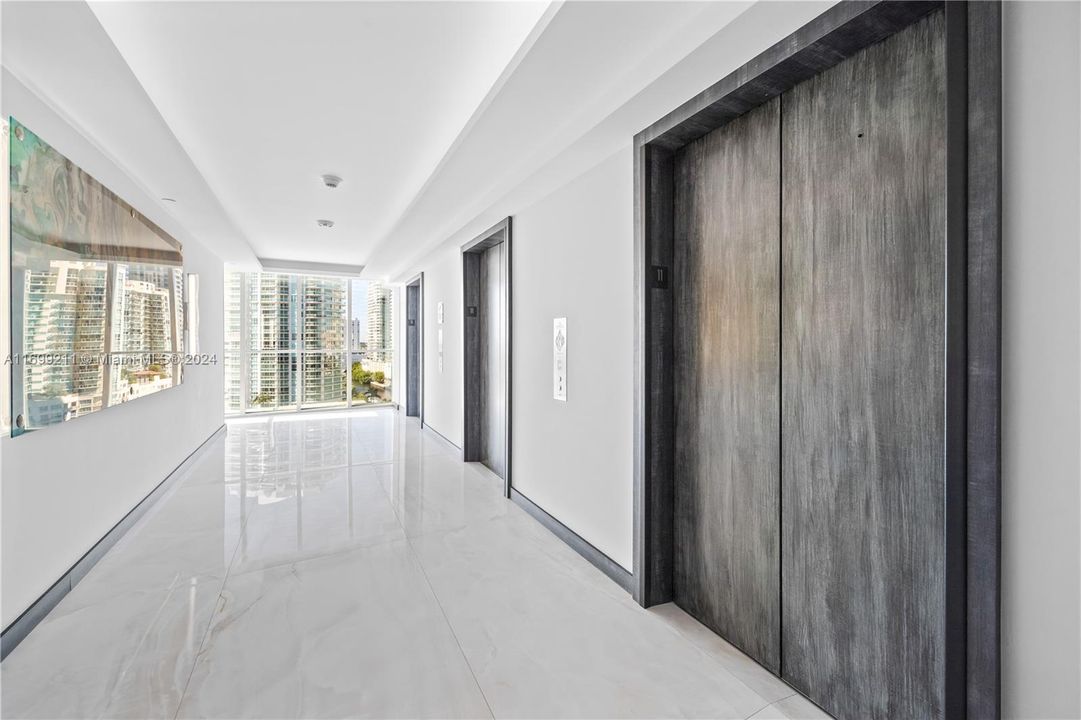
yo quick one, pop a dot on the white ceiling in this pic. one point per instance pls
(591, 59)
(268, 96)
(434, 113)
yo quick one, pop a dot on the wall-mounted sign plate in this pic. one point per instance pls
(559, 359)
(439, 341)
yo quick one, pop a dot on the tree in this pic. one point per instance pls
(263, 399)
(360, 375)
(379, 376)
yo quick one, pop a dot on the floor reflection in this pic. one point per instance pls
(348, 564)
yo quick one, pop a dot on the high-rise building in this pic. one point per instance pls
(356, 343)
(272, 339)
(296, 338)
(145, 318)
(164, 277)
(380, 330)
(323, 314)
(289, 342)
(88, 325)
(143, 321)
(234, 334)
(64, 330)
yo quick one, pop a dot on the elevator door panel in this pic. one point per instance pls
(412, 350)
(726, 292)
(493, 452)
(863, 241)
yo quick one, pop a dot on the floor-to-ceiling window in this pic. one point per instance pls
(371, 354)
(306, 341)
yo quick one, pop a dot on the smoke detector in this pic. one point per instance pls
(325, 223)
(332, 181)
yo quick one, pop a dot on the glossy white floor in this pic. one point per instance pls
(348, 565)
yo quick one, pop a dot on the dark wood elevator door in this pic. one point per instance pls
(412, 350)
(493, 358)
(726, 292)
(863, 233)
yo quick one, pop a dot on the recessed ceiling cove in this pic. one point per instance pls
(269, 97)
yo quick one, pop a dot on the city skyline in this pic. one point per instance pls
(73, 332)
(300, 344)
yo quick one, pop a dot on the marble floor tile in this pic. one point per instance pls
(198, 509)
(793, 707)
(753, 675)
(314, 513)
(192, 532)
(285, 445)
(384, 448)
(128, 655)
(350, 565)
(439, 493)
(543, 644)
(208, 464)
(357, 634)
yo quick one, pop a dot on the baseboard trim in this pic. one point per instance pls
(20, 627)
(580, 545)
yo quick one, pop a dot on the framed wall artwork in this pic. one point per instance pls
(97, 292)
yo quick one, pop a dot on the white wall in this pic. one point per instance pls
(64, 487)
(443, 388)
(573, 258)
(573, 249)
(1041, 451)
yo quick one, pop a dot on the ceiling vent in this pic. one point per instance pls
(332, 181)
(325, 223)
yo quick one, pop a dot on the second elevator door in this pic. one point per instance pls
(493, 450)
(727, 295)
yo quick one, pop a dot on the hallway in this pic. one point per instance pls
(349, 565)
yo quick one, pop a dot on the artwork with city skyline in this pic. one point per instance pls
(96, 292)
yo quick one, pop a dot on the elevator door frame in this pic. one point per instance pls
(498, 234)
(972, 312)
(414, 379)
